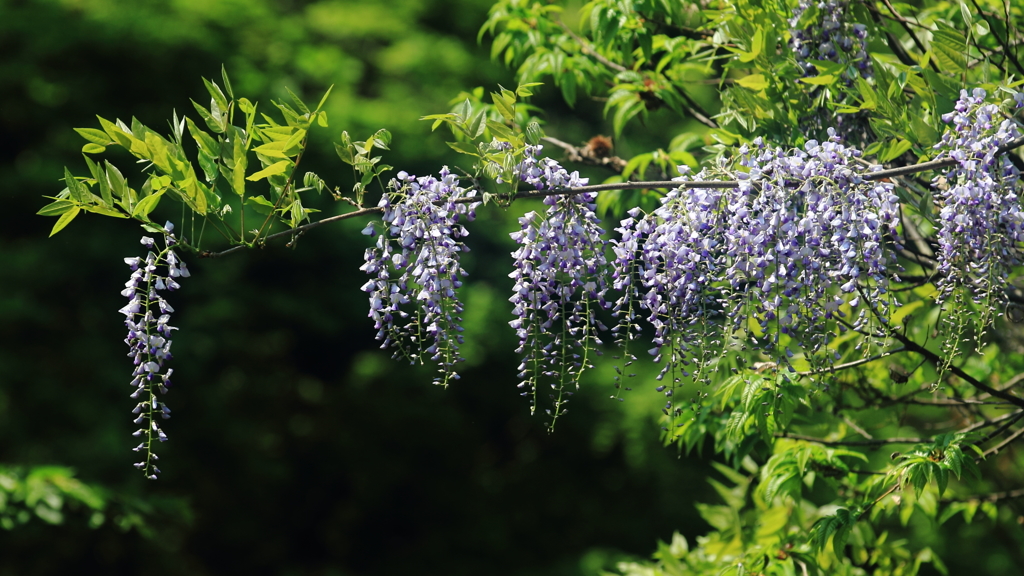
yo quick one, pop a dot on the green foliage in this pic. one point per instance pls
(53, 495)
(808, 487)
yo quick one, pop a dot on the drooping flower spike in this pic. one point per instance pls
(147, 316)
(981, 225)
(560, 273)
(416, 269)
(775, 258)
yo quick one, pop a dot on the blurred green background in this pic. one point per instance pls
(297, 447)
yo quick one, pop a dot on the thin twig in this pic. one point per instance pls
(994, 497)
(589, 50)
(838, 367)
(577, 154)
(934, 358)
(869, 442)
(992, 422)
(995, 449)
(999, 430)
(999, 39)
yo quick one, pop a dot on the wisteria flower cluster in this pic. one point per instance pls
(560, 271)
(416, 269)
(800, 237)
(830, 37)
(147, 316)
(981, 224)
(827, 35)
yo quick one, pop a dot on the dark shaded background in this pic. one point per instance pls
(297, 447)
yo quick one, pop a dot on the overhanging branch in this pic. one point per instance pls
(671, 184)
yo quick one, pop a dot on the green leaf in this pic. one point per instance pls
(95, 136)
(523, 91)
(116, 133)
(755, 82)
(297, 101)
(323, 101)
(260, 204)
(227, 83)
(275, 168)
(949, 47)
(205, 141)
(464, 148)
(64, 220)
(217, 95)
(500, 131)
(78, 190)
(894, 150)
(505, 108)
(93, 148)
(820, 80)
(756, 46)
(213, 123)
(345, 153)
(273, 150)
(56, 208)
(118, 185)
(146, 205)
(103, 210)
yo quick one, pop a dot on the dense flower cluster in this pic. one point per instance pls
(559, 272)
(147, 316)
(415, 264)
(803, 235)
(980, 221)
(802, 249)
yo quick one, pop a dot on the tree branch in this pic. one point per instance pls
(838, 367)
(583, 155)
(720, 184)
(995, 449)
(994, 497)
(869, 442)
(933, 357)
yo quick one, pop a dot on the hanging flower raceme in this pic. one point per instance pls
(825, 34)
(980, 221)
(147, 316)
(802, 235)
(416, 269)
(822, 32)
(560, 273)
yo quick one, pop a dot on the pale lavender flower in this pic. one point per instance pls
(803, 234)
(416, 270)
(147, 317)
(560, 271)
(980, 222)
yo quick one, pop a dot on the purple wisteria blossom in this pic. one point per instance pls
(820, 31)
(980, 221)
(560, 271)
(416, 270)
(147, 316)
(828, 36)
(803, 235)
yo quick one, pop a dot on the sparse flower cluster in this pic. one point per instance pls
(147, 316)
(416, 270)
(980, 221)
(820, 31)
(830, 37)
(560, 271)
